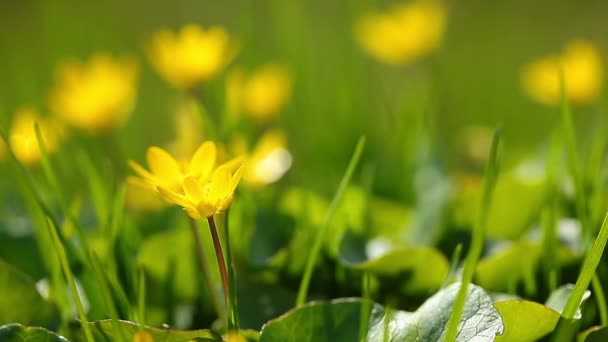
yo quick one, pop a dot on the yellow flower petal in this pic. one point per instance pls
(141, 171)
(194, 213)
(203, 161)
(173, 197)
(193, 190)
(234, 163)
(219, 186)
(163, 165)
(206, 209)
(235, 179)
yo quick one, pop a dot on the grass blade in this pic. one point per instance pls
(70, 279)
(478, 239)
(316, 247)
(141, 296)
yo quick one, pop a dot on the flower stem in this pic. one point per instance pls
(202, 260)
(220, 256)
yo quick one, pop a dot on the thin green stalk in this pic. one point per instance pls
(233, 312)
(574, 164)
(141, 296)
(107, 296)
(453, 266)
(366, 306)
(566, 326)
(316, 247)
(478, 239)
(600, 299)
(204, 265)
(550, 241)
(55, 188)
(587, 271)
(217, 246)
(63, 259)
(549, 244)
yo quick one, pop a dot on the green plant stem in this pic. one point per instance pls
(107, 296)
(587, 271)
(202, 262)
(217, 246)
(316, 247)
(141, 307)
(366, 306)
(233, 317)
(600, 299)
(477, 242)
(63, 259)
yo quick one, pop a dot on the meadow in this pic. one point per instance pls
(408, 170)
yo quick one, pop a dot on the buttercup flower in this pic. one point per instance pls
(95, 96)
(190, 56)
(582, 69)
(167, 172)
(404, 33)
(269, 160)
(206, 196)
(23, 139)
(261, 94)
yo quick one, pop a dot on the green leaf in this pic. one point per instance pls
(20, 301)
(18, 333)
(525, 320)
(339, 320)
(524, 185)
(104, 331)
(503, 270)
(423, 267)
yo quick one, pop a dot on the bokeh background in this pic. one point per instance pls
(340, 92)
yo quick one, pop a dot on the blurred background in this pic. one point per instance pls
(474, 74)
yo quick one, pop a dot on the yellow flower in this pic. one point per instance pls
(404, 33)
(582, 69)
(206, 196)
(23, 139)
(269, 160)
(261, 94)
(191, 56)
(95, 96)
(166, 172)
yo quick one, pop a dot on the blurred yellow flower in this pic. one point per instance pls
(96, 96)
(140, 197)
(23, 139)
(269, 160)
(193, 55)
(582, 69)
(206, 196)
(261, 94)
(188, 131)
(404, 33)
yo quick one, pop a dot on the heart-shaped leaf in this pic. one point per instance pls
(340, 320)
